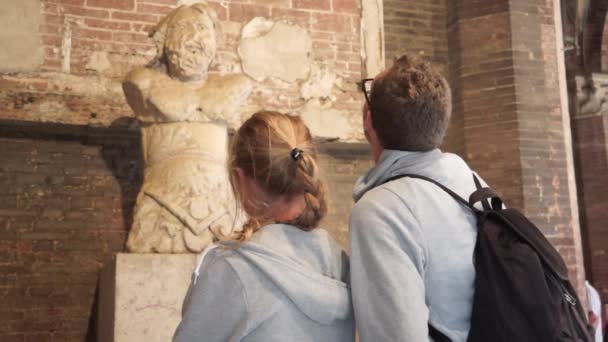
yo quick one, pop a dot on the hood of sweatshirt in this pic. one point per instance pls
(310, 268)
(392, 163)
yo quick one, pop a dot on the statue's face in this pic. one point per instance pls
(190, 46)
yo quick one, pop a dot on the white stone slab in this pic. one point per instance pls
(141, 295)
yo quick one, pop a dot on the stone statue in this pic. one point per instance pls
(184, 112)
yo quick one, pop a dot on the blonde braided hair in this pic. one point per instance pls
(263, 149)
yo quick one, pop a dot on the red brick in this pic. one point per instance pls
(331, 22)
(324, 5)
(86, 12)
(341, 65)
(92, 34)
(323, 45)
(272, 3)
(298, 17)
(322, 36)
(49, 28)
(107, 24)
(153, 9)
(51, 64)
(163, 2)
(132, 38)
(73, 2)
(11, 337)
(50, 8)
(221, 11)
(346, 6)
(53, 19)
(143, 28)
(243, 13)
(113, 4)
(52, 40)
(135, 17)
(354, 67)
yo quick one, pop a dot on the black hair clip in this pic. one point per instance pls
(296, 153)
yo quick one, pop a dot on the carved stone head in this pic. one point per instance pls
(186, 41)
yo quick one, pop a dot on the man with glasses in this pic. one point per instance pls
(411, 243)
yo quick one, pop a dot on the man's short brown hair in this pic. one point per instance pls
(410, 106)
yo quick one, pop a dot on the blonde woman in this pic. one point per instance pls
(281, 278)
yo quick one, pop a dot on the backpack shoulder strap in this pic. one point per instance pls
(483, 194)
(443, 187)
(437, 335)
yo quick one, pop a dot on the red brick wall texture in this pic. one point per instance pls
(66, 204)
(108, 38)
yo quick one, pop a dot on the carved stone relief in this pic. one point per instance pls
(185, 198)
(592, 101)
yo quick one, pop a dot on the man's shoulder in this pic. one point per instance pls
(381, 204)
(377, 197)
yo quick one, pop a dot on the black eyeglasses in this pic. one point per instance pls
(366, 87)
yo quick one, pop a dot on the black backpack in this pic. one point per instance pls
(522, 291)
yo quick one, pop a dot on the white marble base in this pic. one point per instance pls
(141, 295)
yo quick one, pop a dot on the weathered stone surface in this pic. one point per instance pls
(327, 122)
(141, 297)
(278, 50)
(592, 100)
(320, 84)
(185, 196)
(372, 36)
(20, 47)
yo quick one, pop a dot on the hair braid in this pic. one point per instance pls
(314, 193)
(251, 226)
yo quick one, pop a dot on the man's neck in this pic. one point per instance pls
(377, 152)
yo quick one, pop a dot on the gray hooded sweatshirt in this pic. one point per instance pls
(412, 249)
(282, 285)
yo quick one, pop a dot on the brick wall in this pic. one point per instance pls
(421, 27)
(594, 46)
(91, 44)
(68, 195)
(66, 205)
(500, 58)
(589, 126)
(504, 75)
(412, 26)
(342, 165)
(545, 173)
(590, 135)
(482, 76)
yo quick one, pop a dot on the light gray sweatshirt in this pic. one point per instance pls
(412, 249)
(282, 285)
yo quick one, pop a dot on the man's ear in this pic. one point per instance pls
(367, 117)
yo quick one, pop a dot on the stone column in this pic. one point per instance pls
(590, 131)
(504, 62)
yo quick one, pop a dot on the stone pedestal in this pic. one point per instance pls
(141, 295)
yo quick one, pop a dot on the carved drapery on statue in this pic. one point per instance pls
(184, 113)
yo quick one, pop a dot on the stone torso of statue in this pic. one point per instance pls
(185, 197)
